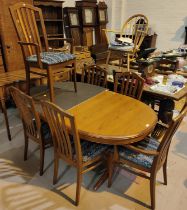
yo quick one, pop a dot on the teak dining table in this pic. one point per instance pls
(106, 117)
(113, 119)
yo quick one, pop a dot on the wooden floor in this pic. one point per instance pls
(21, 187)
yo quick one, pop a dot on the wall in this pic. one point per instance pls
(167, 17)
(69, 3)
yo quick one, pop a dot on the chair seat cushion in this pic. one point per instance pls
(52, 57)
(46, 132)
(120, 47)
(91, 150)
(140, 159)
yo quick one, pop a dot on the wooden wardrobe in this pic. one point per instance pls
(12, 51)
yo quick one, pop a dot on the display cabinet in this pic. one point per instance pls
(52, 11)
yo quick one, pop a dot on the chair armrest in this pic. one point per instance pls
(159, 130)
(107, 31)
(112, 31)
(37, 50)
(163, 124)
(28, 43)
(70, 40)
(142, 151)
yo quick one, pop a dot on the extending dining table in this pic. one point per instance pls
(106, 117)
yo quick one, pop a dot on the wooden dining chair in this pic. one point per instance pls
(83, 155)
(128, 83)
(35, 47)
(94, 75)
(133, 31)
(34, 128)
(146, 157)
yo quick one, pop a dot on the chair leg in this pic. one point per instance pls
(26, 145)
(56, 163)
(42, 153)
(165, 172)
(78, 190)
(28, 79)
(74, 76)
(152, 191)
(110, 165)
(108, 58)
(50, 84)
(3, 106)
(128, 62)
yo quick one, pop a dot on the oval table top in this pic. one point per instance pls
(112, 118)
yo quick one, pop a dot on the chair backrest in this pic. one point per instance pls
(27, 19)
(136, 28)
(128, 83)
(63, 144)
(94, 75)
(28, 113)
(166, 141)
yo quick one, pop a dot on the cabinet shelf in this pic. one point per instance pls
(52, 20)
(53, 35)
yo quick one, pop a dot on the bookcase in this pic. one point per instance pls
(52, 11)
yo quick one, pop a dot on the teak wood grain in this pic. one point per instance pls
(112, 118)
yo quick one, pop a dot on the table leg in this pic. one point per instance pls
(6, 118)
(110, 159)
(101, 180)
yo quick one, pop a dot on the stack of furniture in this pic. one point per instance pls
(83, 58)
(85, 23)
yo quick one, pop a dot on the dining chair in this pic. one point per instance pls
(34, 128)
(94, 75)
(35, 47)
(146, 157)
(128, 83)
(81, 154)
(132, 35)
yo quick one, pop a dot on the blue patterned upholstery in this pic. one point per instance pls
(52, 57)
(140, 159)
(89, 150)
(46, 133)
(45, 130)
(120, 47)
